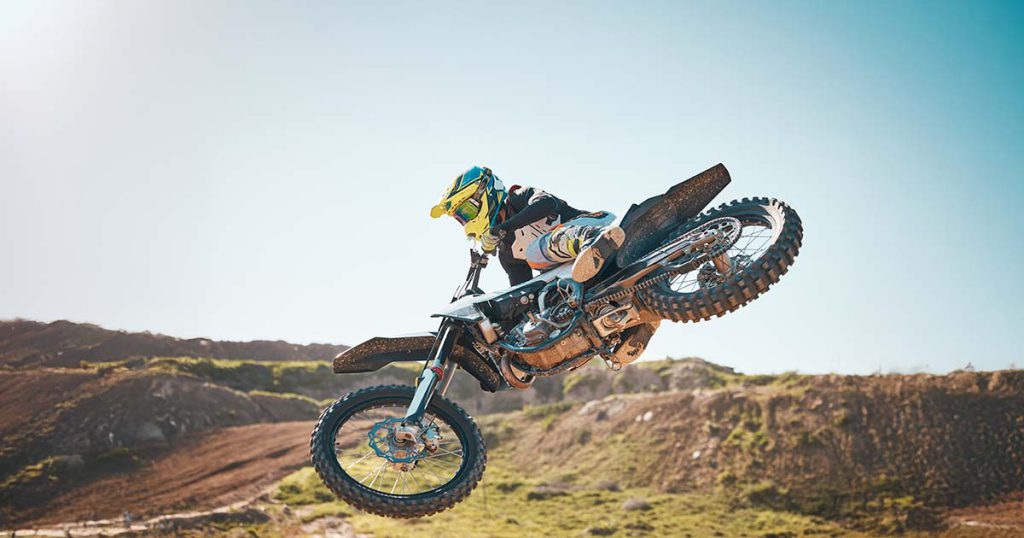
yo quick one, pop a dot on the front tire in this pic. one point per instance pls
(325, 446)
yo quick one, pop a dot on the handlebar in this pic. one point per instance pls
(478, 258)
(477, 262)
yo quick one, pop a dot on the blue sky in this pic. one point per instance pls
(251, 170)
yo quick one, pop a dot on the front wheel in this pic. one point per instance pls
(764, 237)
(355, 450)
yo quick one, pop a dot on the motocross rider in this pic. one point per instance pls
(529, 228)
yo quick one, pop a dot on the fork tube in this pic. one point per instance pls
(430, 377)
(446, 379)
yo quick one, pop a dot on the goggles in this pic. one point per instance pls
(467, 210)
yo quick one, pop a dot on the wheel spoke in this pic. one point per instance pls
(412, 473)
(440, 481)
(399, 475)
(436, 454)
(359, 463)
(377, 472)
(443, 465)
(740, 255)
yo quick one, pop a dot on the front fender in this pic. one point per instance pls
(380, 351)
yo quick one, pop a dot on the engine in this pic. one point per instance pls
(551, 333)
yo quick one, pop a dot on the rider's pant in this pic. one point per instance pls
(563, 243)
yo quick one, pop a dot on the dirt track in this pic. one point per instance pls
(1003, 516)
(206, 471)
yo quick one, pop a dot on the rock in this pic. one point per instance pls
(149, 431)
(634, 504)
(73, 461)
(589, 408)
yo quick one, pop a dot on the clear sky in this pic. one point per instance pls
(246, 170)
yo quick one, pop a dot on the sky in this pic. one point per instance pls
(242, 170)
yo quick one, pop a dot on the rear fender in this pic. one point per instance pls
(380, 351)
(648, 224)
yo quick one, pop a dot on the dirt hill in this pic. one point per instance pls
(63, 343)
(93, 437)
(894, 446)
(63, 429)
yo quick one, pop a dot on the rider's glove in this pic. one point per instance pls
(490, 241)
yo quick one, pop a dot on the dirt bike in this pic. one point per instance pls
(405, 452)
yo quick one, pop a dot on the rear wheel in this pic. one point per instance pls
(767, 243)
(355, 450)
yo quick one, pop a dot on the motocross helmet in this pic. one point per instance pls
(473, 199)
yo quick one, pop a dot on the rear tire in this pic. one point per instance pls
(745, 284)
(325, 461)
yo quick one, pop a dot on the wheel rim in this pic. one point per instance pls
(756, 236)
(428, 473)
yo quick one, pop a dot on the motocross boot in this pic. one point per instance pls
(601, 244)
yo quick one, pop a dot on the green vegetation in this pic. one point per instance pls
(304, 490)
(301, 488)
(573, 380)
(509, 504)
(44, 469)
(336, 508)
(535, 412)
(546, 414)
(286, 395)
(311, 379)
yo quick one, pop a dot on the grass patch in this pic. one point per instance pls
(537, 412)
(502, 506)
(285, 395)
(303, 487)
(336, 509)
(310, 378)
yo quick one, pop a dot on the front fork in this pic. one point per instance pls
(438, 372)
(436, 376)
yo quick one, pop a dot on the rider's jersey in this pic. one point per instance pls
(532, 213)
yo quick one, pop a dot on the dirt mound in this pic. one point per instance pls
(63, 343)
(827, 445)
(205, 470)
(67, 427)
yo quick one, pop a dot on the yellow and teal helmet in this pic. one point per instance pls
(473, 199)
